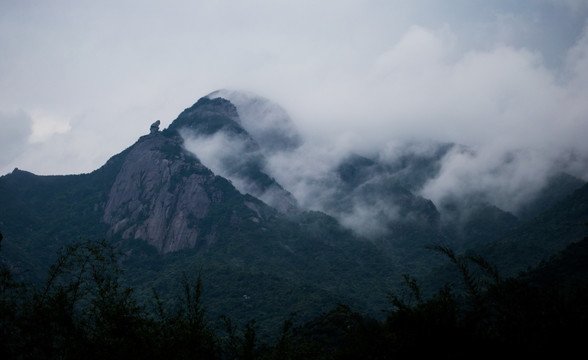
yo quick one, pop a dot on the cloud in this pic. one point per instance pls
(308, 171)
(506, 80)
(361, 72)
(263, 119)
(517, 120)
(45, 126)
(421, 88)
(218, 151)
(503, 177)
(53, 144)
(16, 129)
(369, 220)
(228, 155)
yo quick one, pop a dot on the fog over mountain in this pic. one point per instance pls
(372, 189)
(340, 160)
(500, 76)
(487, 97)
(225, 191)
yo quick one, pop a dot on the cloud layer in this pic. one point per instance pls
(505, 77)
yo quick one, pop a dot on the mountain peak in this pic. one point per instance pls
(213, 130)
(207, 116)
(266, 121)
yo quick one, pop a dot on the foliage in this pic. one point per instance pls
(495, 317)
(83, 310)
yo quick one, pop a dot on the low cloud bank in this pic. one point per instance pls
(517, 121)
(490, 124)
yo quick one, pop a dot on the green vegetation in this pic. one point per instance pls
(305, 265)
(83, 309)
(256, 270)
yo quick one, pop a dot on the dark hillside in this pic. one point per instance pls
(531, 243)
(542, 236)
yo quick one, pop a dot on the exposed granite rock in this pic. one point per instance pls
(154, 127)
(165, 196)
(159, 195)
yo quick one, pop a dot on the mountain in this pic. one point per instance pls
(558, 186)
(40, 214)
(169, 214)
(377, 196)
(200, 197)
(212, 129)
(376, 199)
(367, 196)
(166, 197)
(546, 234)
(266, 121)
(565, 270)
(531, 243)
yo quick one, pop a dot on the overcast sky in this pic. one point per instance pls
(81, 80)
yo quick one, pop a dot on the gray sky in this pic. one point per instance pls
(82, 80)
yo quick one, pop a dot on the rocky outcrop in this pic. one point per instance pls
(160, 194)
(154, 127)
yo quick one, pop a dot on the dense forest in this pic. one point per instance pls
(84, 309)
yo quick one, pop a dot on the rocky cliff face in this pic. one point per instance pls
(159, 194)
(165, 195)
